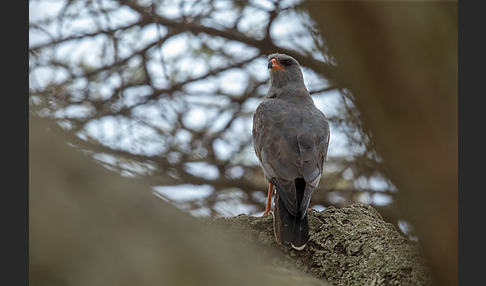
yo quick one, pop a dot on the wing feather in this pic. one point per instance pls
(290, 144)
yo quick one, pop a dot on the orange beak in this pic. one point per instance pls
(274, 65)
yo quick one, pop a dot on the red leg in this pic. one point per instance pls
(269, 199)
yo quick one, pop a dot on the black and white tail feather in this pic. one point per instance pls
(291, 225)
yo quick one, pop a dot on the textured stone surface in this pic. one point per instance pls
(348, 246)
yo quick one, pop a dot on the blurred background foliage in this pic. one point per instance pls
(165, 91)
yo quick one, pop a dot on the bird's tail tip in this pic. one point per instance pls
(289, 229)
(298, 247)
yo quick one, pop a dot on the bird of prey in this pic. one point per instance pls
(291, 138)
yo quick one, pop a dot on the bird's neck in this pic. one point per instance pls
(287, 81)
(289, 91)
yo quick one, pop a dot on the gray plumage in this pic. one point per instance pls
(291, 138)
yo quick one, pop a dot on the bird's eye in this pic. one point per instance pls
(286, 62)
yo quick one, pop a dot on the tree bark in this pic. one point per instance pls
(348, 246)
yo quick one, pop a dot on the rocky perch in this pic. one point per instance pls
(348, 246)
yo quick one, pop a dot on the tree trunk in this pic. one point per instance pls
(400, 62)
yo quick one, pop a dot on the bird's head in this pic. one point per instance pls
(284, 70)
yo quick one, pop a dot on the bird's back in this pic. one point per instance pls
(291, 139)
(291, 135)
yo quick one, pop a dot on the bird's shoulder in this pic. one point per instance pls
(292, 125)
(282, 113)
